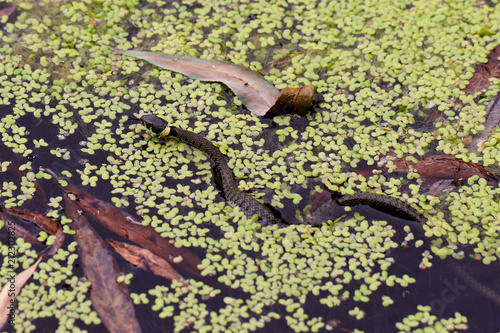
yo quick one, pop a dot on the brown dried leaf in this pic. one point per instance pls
(279, 63)
(129, 227)
(110, 299)
(439, 186)
(11, 290)
(146, 260)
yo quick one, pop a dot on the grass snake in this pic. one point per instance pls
(249, 205)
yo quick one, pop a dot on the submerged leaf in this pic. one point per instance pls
(46, 224)
(146, 260)
(481, 78)
(293, 101)
(279, 63)
(257, 94)
(127, 226)
(110, 299)
(20, 231)
(442, 166)
(491, 123)
(8, 11)
(11, 290)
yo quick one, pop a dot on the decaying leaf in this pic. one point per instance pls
(10, 291)
(43, 222)
(280, 63)
(442, 166)
(439, 186)
(8, 11)
(20, 231)
(146, 260)
(293, 101)
(257, 94)
(110, 299)
(491, 123)
(128, 226)
(481, 78)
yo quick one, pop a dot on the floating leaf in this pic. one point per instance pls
(146, 260)
(11, 290)
(129, 227)
(257, 94)
(110, 299)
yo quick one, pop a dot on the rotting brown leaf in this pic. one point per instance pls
(293, 101)
(43, 222)
(19, 230)
(110, 299)
(481, 78)
(146, 260)
(491, 123)
(8, 11)
(10, 291)
(280, 63)
(129, 227)
(442, 166)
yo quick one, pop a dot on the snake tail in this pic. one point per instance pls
(383, 203)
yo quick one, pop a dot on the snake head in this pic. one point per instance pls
(155, 124)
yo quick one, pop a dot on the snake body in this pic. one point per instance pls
(250, 206)
(383, 203)
(234, 196)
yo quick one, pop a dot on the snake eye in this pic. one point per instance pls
(154, 123)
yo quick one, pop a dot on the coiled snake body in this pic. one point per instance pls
(251, 206)
(232, 193)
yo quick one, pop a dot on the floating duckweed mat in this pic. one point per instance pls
(383, 68)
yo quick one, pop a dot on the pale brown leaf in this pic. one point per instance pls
(10, 291)
(257, 94)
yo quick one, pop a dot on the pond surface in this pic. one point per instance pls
(391, 79)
